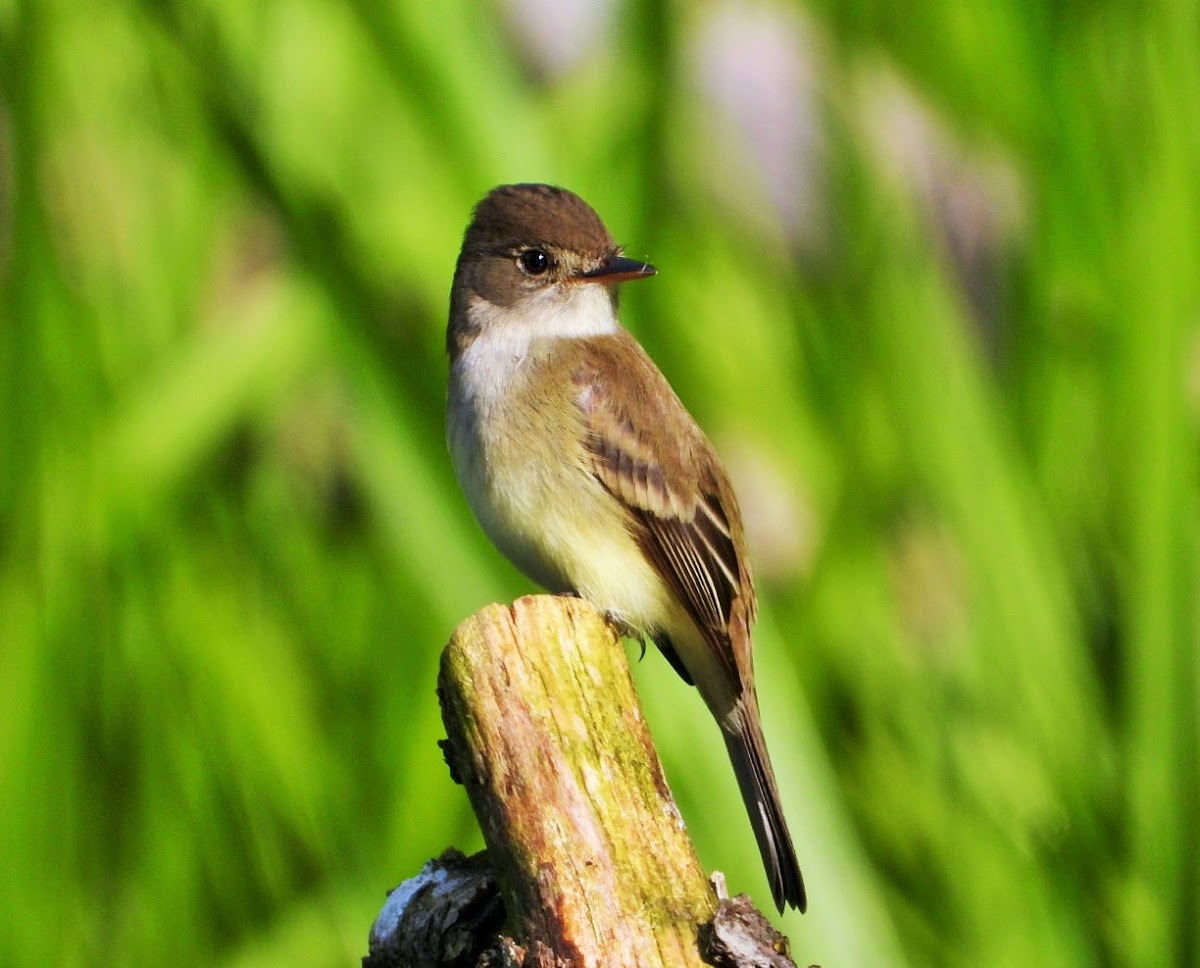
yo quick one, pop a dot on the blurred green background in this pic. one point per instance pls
(928, 274)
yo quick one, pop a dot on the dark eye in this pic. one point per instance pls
(534, 261)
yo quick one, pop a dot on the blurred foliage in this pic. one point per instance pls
(929, 275)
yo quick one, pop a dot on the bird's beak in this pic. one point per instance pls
(617, 268)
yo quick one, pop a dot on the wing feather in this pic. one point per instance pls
(679, 502)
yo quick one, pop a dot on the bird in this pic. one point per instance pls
(587, 471)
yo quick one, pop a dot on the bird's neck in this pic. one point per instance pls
(513, 330)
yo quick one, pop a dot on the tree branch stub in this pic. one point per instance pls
(546, 733)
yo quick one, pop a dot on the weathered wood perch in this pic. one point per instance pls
(586, 848)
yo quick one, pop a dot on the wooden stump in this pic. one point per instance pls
(590, 854)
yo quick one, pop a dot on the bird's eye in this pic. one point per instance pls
(534, 261)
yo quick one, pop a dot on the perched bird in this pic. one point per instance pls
(586, 470)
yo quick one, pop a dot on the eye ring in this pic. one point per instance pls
(534, 261)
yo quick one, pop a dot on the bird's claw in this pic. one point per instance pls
(625, 631)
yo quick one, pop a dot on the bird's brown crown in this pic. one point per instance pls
(514, 215)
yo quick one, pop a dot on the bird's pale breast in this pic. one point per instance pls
(515, 437)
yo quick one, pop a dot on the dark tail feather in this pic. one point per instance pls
(756, 780)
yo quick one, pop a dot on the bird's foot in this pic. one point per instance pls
(620, 628)
(623, 630)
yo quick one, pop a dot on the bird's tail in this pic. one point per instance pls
(756, 780)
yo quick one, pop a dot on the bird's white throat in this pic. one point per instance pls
(566, 311)
(508, 334)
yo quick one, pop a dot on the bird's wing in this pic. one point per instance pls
(679, 500)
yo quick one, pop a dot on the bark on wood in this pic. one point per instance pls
(590, 854)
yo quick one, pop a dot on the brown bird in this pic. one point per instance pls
(586, 470)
